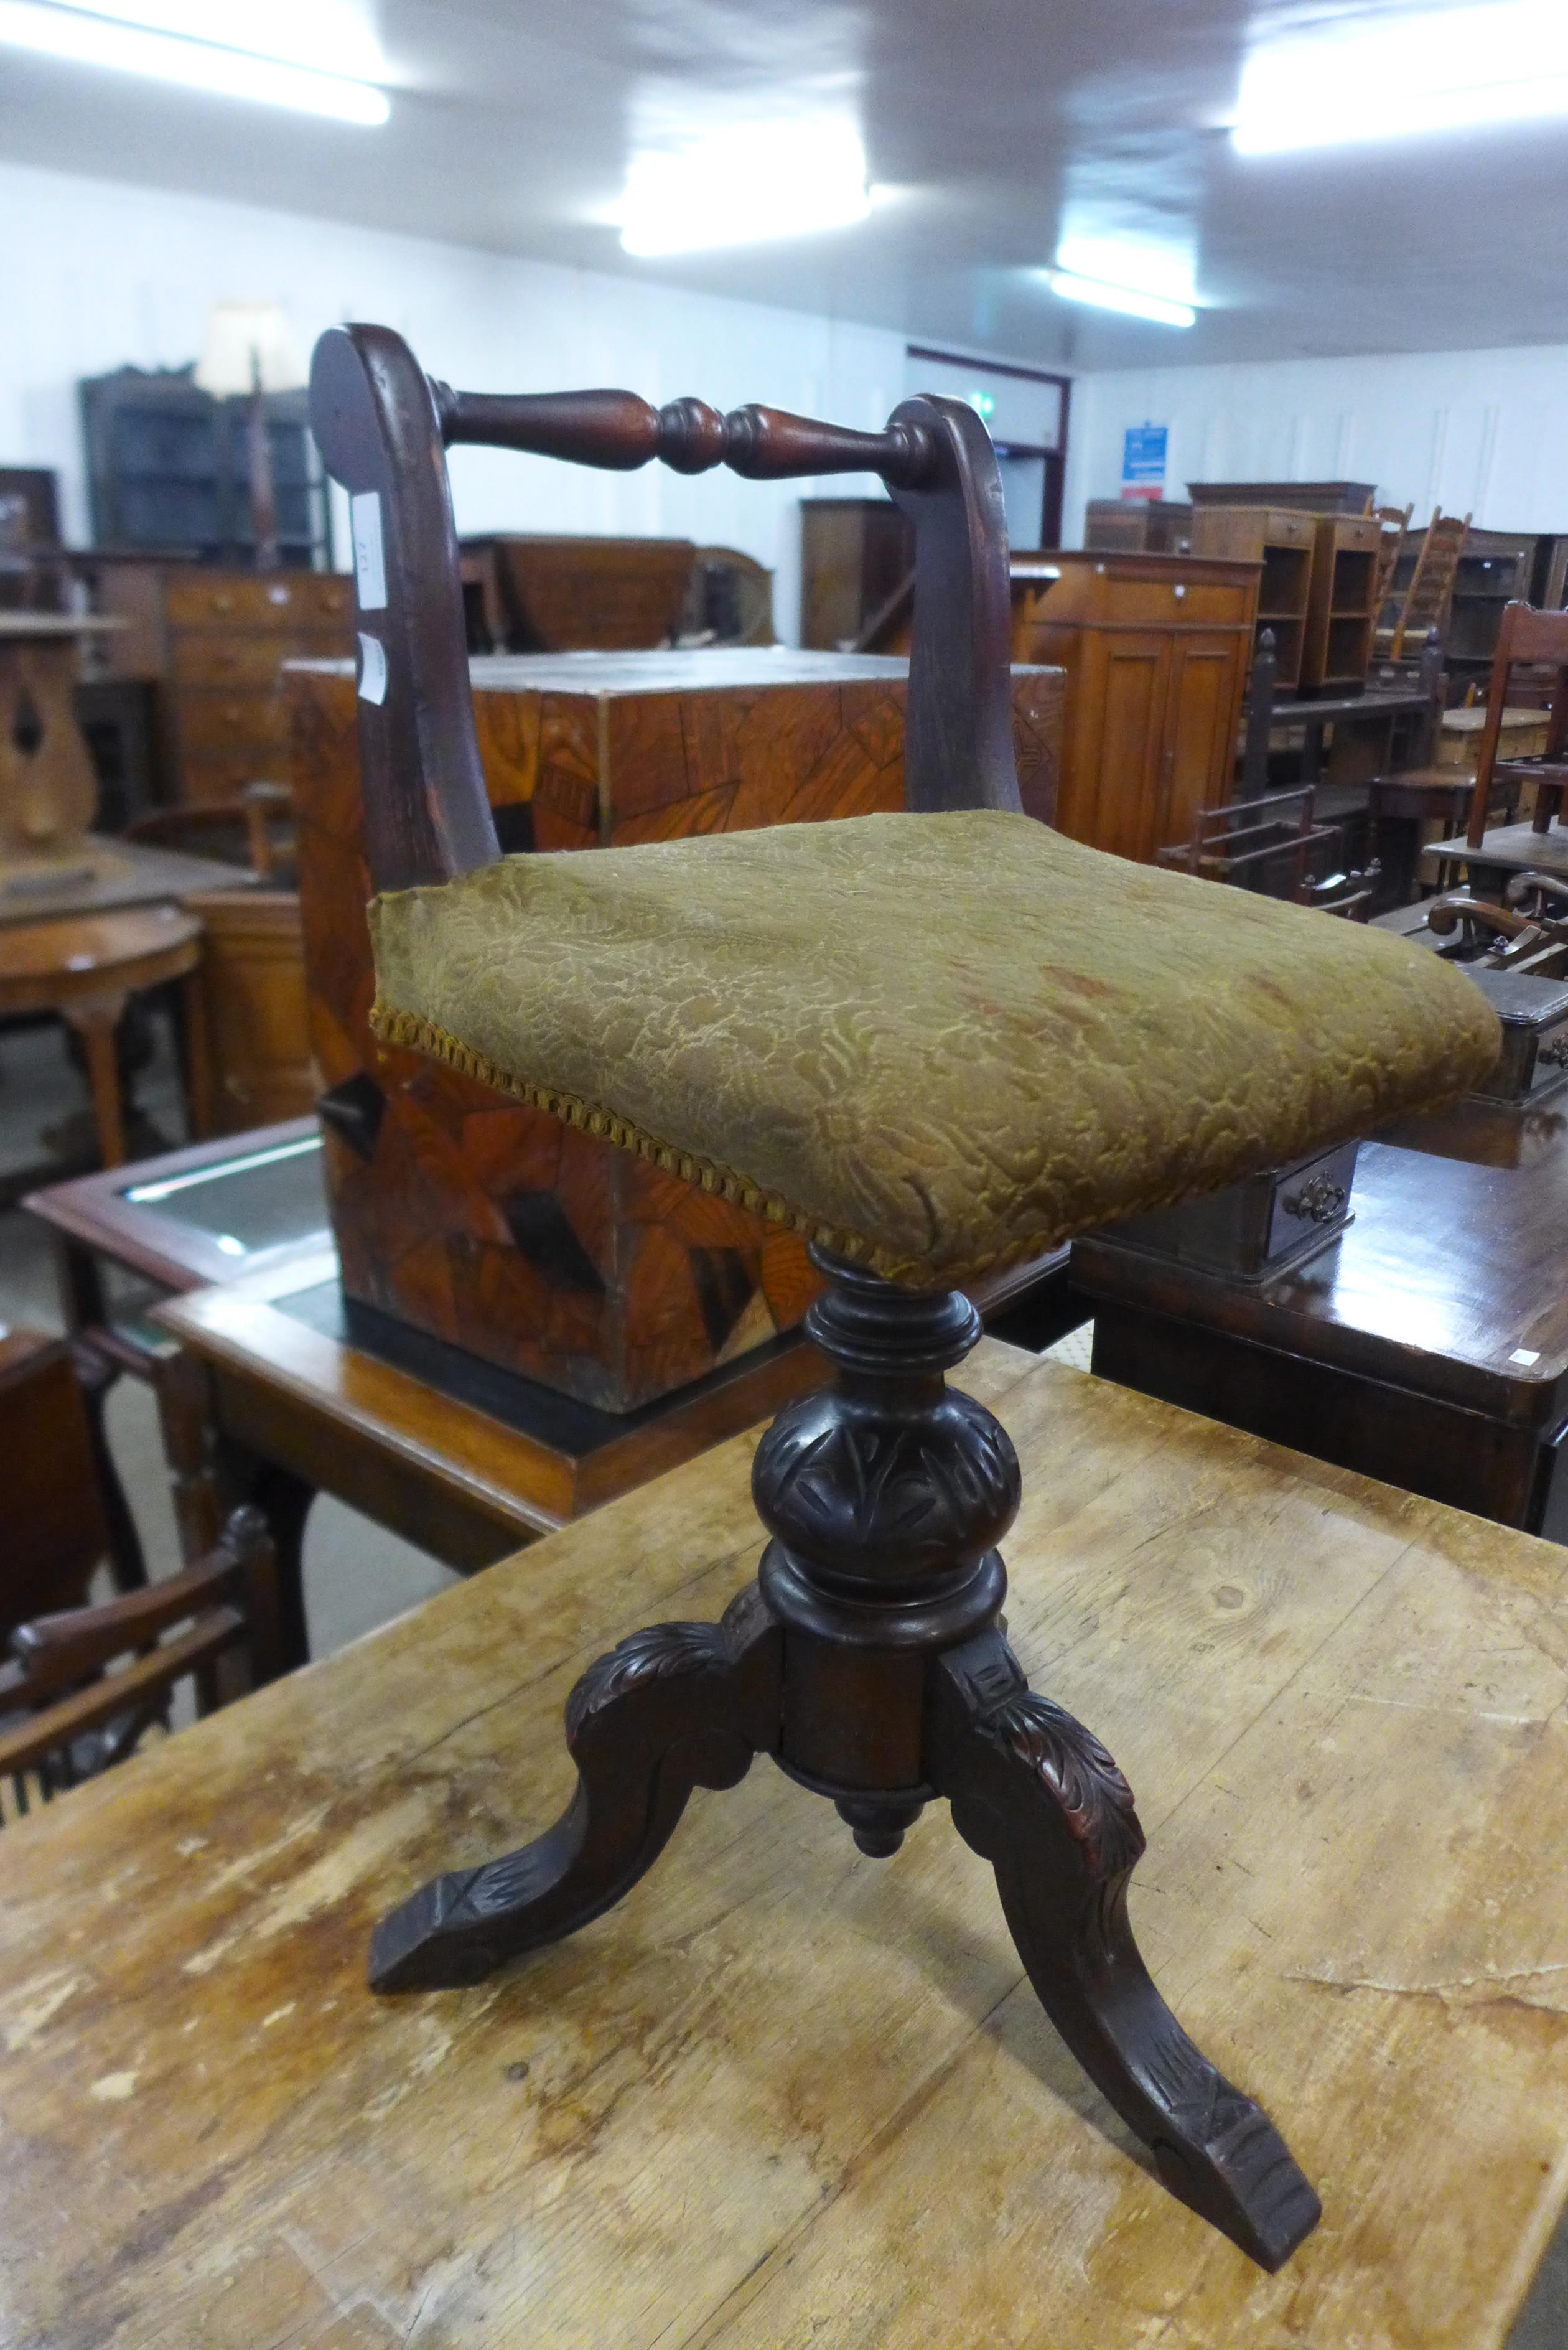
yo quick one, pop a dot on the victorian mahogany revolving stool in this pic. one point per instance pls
(930, 1042)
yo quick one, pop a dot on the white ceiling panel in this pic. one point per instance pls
(993, 129)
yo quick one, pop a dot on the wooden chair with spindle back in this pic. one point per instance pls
(65, 1714)
(930, 1042)
(255, 828)
(1524, 636)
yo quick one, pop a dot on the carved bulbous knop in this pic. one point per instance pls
(867, 1496)
(890, 1479)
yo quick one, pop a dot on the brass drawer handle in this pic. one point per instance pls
(1320, 1199)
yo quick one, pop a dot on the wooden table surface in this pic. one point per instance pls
(1450, 1277)
(785, 2094)
(101, 876)
(467, 1465)
(1427, 1344)
(1507, 848)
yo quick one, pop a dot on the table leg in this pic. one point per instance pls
(198, 1056)
(183, 1390)
(285, 1500)
(81, 1281)
(212, 1473)
(95, 1377)
(95, 1023)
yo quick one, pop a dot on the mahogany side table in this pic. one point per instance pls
(86, 968)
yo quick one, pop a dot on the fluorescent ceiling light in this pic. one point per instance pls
(1420, 71)
(130, 39)
(1129, 299)
(744, 185)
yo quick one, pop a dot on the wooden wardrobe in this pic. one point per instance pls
(1155, 648)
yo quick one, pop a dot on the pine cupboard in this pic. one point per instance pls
(1156, 649)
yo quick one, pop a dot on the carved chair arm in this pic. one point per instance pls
(1480, 919)
(56, 1653)
(1537, 895)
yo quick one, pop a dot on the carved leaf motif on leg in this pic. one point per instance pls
(1078, 1773)
(672, 1708)
(654, 1654)
(1037, 1795)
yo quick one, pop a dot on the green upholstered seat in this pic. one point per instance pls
(935, 1043)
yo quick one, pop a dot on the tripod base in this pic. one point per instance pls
(883, 1691)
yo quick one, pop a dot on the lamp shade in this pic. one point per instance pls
(248, 348)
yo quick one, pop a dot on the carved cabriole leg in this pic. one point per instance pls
(676, 1706)
(1036, 1795)
(868, 1659)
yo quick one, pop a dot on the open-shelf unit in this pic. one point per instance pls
(1282, 541)
(1342, 605)
(1495, 568)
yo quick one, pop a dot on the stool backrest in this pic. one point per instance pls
(383, 428)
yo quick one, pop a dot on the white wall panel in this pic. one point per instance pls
(101, 276)
(1485, 430)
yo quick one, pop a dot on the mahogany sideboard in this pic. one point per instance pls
(1427, 1345)
(489, 1225)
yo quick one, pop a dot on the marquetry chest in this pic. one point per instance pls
(491, 1225)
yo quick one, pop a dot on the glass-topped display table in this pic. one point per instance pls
(134, 1234)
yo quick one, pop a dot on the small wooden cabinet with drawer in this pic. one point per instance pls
(1281, 541)
(1342, 607)
(216, 643)
(1155, 648)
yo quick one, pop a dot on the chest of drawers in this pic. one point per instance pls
(214, 643)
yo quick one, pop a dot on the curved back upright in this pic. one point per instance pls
(383, 426)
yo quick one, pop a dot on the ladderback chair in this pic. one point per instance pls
(1266, 844)
(64, 1514)
(85, 1686)
(64, 1714)
(933, 1043)
(1428, 598)
(1524, 636)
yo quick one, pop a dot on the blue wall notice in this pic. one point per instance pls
(1143, 455)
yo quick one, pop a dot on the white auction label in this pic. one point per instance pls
(372, 669)
(369, 561)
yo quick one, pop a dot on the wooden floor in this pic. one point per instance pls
(785, 2096)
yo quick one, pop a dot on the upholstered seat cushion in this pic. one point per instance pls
(935, 1042)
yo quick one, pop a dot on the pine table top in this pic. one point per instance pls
(785, 2094)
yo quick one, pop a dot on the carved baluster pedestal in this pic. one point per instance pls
(868, 1660)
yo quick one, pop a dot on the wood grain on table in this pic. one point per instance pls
(784, 2093)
